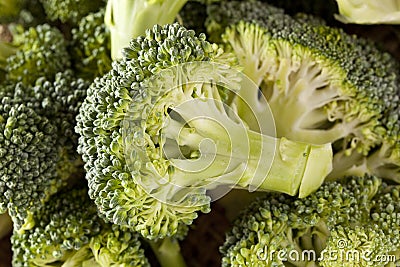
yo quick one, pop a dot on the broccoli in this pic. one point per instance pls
(69, 232)
(40, 51)
(127, 19)
(27, 152)
(145, 130)
(37, 142)
(90, 48)
(71, 11)
(369, 12)
(321, 84)
(343, 217)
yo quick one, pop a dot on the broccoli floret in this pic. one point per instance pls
(40, 51)
(321, 84)
(127, 19)
(70, 10)
(339, 220)
(69, 232)
(28, 152)
(369, 12)
(38, 144)
(146, 128)
(91, 46)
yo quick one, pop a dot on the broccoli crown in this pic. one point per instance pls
(116, 193)
(322, 84)
(91, 46)
(28, 153)
(69, 10)
(40, 51)
(69, 232)
(342, 217)
(38, 143)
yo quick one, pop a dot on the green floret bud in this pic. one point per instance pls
(69, 232)
(91, 46)
(151, 126)
(279, 230)
(358, 246)
(28, 161)
(36, 52)
(127, 19)
(70, 10)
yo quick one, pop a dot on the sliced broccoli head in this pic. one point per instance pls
(156, 134)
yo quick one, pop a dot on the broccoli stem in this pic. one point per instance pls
(226, 151)
(168, 252)
(127, 19)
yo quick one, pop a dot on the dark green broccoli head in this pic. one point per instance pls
(39, 143)
(40, 51)
(68, 232)
(28, 161)
(70, 10)
(340, 217)
(91, 46)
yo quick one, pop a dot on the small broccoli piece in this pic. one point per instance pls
(339, 220)
(127, 19)
(321, 84)
(37, 52)
(91, 46)
(69, 232)
(142, 144)
(28, 152)
(369, 12)
(38, 144)
(70, 10)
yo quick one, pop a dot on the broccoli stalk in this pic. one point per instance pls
(127, 19)
(167, 252)
(242, 157)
